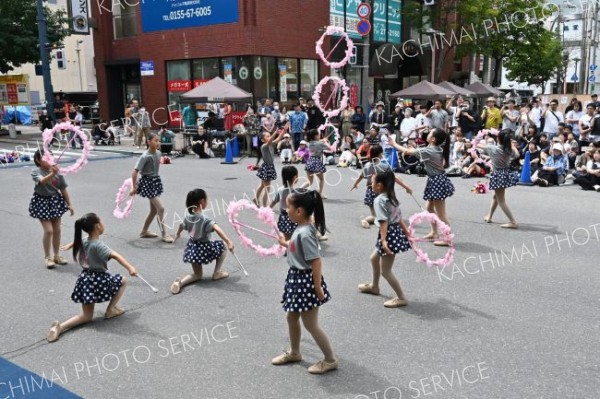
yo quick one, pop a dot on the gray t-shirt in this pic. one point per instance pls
(268, 153)
(46, 190)
(281, 197)
(97, 255)
(316, 148)
(148, 163)
(433, 158)
(500, 159)
(439, 118)
(303, 247)
(507, 124)
(385, 211)
(199, 226)
(371, 169)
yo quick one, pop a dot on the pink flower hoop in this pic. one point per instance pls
(338, 84)
(334, 30)
(477, 140)
(122, 195)
(445, 235)
(48, 136)
(267, 216)
(327, 125)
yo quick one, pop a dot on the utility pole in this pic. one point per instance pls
(365, 67)
(78, 50)
(45, 58)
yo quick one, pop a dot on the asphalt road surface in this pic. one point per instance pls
(515, 315)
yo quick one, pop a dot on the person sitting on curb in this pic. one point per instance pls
(555, 167)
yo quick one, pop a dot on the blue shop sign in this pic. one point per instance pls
(176, 14)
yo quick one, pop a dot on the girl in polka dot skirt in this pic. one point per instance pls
(49, 202)
(150, 186)
(314, 165)
(94, 284)
(439, 187)
(371, 169)
(289, 175)
(266, 172)
(200, 250)
(502, 176)
(305, 289)
(393, 237)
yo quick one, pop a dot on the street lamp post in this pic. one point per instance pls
(432, 33)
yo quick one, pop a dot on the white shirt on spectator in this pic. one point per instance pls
(551, 121)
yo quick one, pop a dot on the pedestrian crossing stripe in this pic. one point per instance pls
(17, 382)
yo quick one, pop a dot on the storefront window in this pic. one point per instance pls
(204, 70)
(265, 73)
(288, 80)
(179, 81)
(240, 75)
(308, 78)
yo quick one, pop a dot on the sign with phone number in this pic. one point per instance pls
(176, 14)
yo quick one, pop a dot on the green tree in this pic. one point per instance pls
(538, 67)
(19, 42)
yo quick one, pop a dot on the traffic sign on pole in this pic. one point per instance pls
(592, 78)
(363, 27)
(574, 78)
(593, 67)
(363, 10)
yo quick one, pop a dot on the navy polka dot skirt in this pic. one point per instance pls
(47, 207)
(370, 196)
(284, 224)
(267, 172)
(438, 188)
(202, 252)
(503, 178)
(149, 186)
(396, 240)
(96, 287)
(299, 291)
(315, 165)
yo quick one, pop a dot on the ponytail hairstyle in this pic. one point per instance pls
(388, 179)
(288, 173)
(194, 197)
(312, 134)
(441, 139)
(86, 223)
(312, 203)
(504, 139)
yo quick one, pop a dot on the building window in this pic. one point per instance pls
(179, 79)
(265, 75)
(124, 20)
(308, 77)
(241, 72)
(575, 27)
(566, 28)
(204, 70)
(288, 80)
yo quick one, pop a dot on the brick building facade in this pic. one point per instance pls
(268, 51)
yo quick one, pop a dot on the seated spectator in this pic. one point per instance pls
(166, 140)
(348, 156)
(534, 156)
(357, 136)
(102, 134)
(302, 154)
(582, 163)
(477, 167)
(591, 179)
(363, 154)
(458, 148)
(408, 163)
(543, 142)
(201, 144)
(554, 168)
(285, 149)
